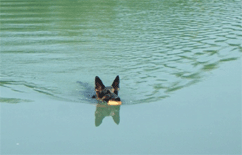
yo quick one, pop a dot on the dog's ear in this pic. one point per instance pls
(115, 85)
(99, 86)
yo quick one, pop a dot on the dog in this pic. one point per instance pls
(103, 95)
(106, 94)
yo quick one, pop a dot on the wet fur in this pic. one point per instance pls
(109, 93)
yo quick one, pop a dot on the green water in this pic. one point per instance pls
(160, 49)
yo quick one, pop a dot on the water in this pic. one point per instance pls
(157, 48)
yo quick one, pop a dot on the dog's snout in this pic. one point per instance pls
(117, 99)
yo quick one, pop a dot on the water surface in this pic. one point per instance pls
(158, 48)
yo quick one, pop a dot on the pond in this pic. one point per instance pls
(179, 64)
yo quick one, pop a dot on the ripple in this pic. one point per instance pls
(13, 100)
(156, 48)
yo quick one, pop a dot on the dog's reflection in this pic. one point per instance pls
(104, 110)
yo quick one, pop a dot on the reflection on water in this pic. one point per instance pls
(156, 47)
(103, 110)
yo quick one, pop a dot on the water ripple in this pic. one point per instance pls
(157, 47)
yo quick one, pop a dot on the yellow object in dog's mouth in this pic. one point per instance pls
(114, 102)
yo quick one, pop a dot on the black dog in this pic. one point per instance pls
(106, 94)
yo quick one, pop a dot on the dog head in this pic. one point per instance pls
(107, 93)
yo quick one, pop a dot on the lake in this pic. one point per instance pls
(179, 64)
